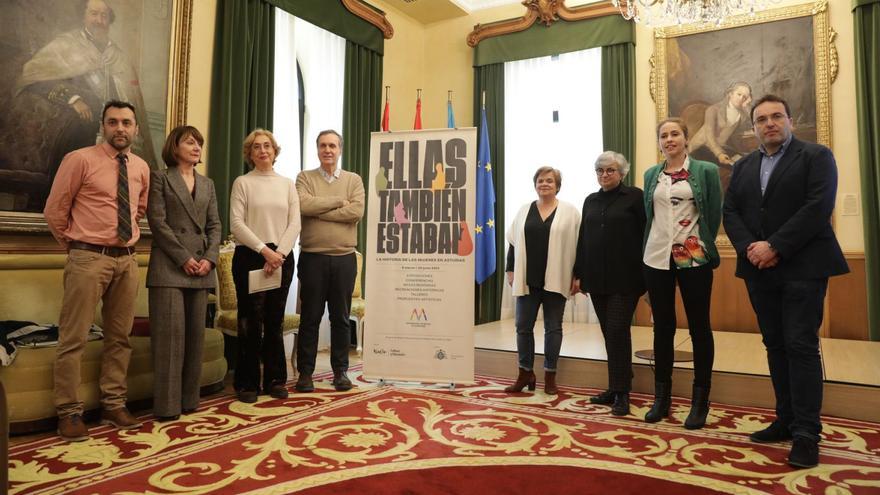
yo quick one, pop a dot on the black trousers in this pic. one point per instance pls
(325, 280)
(789, 314)
(615, 312)
(695, 285)
(260, 316)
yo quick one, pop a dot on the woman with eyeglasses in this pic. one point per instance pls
(608, 268)
(542, 241)
(265, 220)
(683, 209)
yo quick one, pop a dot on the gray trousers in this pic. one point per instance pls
(177, 337)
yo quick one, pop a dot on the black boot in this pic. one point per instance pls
(606, 398)
(662, 399)
(621, 404)
(699, 408)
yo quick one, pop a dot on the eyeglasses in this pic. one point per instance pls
(605, 171)
(776, 117)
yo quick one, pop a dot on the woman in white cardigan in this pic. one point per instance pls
(543, 245)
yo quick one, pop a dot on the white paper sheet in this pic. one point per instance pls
(258, 281)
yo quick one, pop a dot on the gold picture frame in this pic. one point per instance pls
(158, 21)
(701, 73)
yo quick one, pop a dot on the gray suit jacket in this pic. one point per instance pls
(183, 228)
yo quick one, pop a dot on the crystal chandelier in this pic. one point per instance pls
(662, 13)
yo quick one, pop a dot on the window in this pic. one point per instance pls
(552, 117)
(309, 70)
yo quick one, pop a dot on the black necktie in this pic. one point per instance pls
(123, 206)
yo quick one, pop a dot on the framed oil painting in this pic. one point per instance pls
(63, 60)
(709, 77)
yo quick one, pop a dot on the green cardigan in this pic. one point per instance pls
(706, 185)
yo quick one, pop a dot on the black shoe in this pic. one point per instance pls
(776, 432)
(341, 382)
(304, 383)
(187, 410)
(662, 400)
(699, 408)
(605, 398)
(278, 391)
(247, 396)
(165, 419)
(804, 453)
(621, 404)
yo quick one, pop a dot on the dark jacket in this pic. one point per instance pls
(706, 186)
(793, 215)
(183, 228)
(609, 249)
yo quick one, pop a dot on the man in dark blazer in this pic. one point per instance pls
(777, 214)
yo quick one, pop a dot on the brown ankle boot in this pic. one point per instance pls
(550, 383)
(525, 378)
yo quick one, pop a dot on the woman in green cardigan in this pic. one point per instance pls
(683, 209)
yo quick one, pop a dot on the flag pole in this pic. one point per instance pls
(484, 99)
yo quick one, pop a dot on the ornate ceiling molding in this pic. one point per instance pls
(545, 11)
(371, 15)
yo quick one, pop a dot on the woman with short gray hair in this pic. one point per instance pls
(608, 267)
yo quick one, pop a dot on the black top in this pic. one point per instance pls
(609, 249)
(537, 234)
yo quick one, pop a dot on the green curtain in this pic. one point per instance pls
(334, 17)
(490, 78)
(361, 114)
(560, 37)
(619, 101)
(866, 18)
(241, 88)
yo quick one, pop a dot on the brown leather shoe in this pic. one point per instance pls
(341, 382)
(278, 391)
(72, 428)
(304, 383)
(120, 418)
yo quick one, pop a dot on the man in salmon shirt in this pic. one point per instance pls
(99, 194)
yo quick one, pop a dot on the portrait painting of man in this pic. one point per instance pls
(64, 59)
(713, 77)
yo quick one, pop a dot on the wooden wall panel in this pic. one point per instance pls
(848, 302)
(846, 305)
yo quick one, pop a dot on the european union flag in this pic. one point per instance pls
(485, 227)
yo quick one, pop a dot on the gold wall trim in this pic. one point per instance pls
(374, 17)
(545, 11)
(178, 70)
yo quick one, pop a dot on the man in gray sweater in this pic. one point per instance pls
(332, 203)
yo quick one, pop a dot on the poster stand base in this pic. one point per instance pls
(382, 382)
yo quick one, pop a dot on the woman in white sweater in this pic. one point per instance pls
(265, 220)
(540, 261)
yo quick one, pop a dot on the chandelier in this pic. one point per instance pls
(662, 13)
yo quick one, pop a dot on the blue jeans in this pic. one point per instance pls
(789, 314)
(526, 314)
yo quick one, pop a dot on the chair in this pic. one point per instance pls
(358, 304)
(226, 317)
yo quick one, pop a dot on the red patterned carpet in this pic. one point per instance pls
(473, 439)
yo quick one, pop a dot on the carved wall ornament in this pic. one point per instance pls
(545, 11)
(371, 15)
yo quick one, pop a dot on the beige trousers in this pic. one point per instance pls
(88, 278)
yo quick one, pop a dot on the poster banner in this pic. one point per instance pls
(419, 256)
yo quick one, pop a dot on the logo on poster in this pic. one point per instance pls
(418, 314)
(440, 355)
